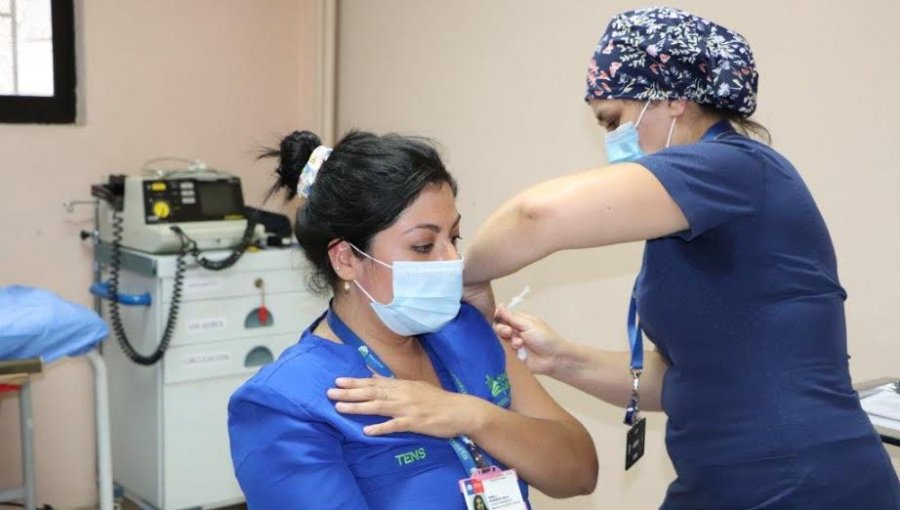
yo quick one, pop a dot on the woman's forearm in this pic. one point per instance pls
(555, 456)
(607, 375)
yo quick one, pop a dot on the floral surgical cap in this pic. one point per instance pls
(661, 53)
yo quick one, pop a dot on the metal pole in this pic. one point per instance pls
(104, 455)
(27, 443)
(15, 46)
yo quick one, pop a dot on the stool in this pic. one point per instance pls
(15, 374)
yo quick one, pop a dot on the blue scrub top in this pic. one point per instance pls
(291, 449)
(747, 309)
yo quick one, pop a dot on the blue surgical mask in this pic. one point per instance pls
(623, 144)
(427, 295)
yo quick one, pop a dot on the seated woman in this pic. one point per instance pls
(398, 390)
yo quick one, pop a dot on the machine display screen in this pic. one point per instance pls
(220, 198)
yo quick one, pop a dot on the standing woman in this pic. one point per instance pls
(739, 288)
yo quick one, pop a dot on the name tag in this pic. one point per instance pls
(493, 490)
(634, 445)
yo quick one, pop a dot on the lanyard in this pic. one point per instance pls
(635, 332)
(635, 335)
(636, 342)
(470, 456)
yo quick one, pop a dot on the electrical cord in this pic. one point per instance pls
(235, 255)
(188, 246)
(190, 164)
(116, 320)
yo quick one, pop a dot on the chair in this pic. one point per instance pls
(14, 375)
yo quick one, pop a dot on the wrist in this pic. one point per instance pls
(568, 360)
(476, 414)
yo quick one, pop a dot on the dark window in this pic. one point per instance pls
(37, 61)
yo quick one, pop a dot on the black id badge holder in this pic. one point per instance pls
(634, 443)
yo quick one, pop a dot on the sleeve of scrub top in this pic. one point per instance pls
(284, 457)
(712, 182)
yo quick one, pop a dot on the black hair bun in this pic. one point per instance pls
(294, 151)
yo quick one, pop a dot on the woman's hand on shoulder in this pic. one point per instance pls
(412, 406)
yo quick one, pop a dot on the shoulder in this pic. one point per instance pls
(469, 329)
(298, 379)
(475, 353)
(733, 153)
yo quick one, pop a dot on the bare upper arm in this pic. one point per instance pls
(529, 398)
(615, 204)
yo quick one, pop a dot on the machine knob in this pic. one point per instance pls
(161, 209)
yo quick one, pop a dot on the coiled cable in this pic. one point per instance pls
(116, 319)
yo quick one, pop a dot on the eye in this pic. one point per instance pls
(608, 125)
(456, 239)
(423, 248)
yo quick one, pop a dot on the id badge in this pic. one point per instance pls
(634, 446)
(493, 489)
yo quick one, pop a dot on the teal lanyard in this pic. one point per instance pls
(469, 454)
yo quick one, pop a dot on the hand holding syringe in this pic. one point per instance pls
(522, 352)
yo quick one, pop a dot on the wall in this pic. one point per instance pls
(500, 83)
(208, 79)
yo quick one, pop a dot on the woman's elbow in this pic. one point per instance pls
(531, 209)
(589, 466)
(581, 477)
(546, 221)
(580, 482)
(536, 215)
(586, 477)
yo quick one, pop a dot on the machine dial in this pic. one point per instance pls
(161, 209)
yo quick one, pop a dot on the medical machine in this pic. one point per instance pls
(177, 211)
(198, 305)
(156, 213)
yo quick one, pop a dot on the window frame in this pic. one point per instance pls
(60, 108)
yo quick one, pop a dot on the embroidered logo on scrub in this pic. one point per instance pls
(499, 387)
(410, 457)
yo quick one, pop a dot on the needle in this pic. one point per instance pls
(521, 352)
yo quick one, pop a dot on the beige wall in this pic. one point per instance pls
(208, 79)
(499, 84)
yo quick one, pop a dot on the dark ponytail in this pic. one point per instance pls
(363, 187)
(292, 153)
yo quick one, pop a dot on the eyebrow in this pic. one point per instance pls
(435, 228)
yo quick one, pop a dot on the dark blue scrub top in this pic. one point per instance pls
(291, 449)
(747, 309)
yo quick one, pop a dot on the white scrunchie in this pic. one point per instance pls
(311, 170)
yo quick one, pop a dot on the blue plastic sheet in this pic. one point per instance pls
(36, 323)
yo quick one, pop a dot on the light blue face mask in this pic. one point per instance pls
(623, 144)
(427, 295)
